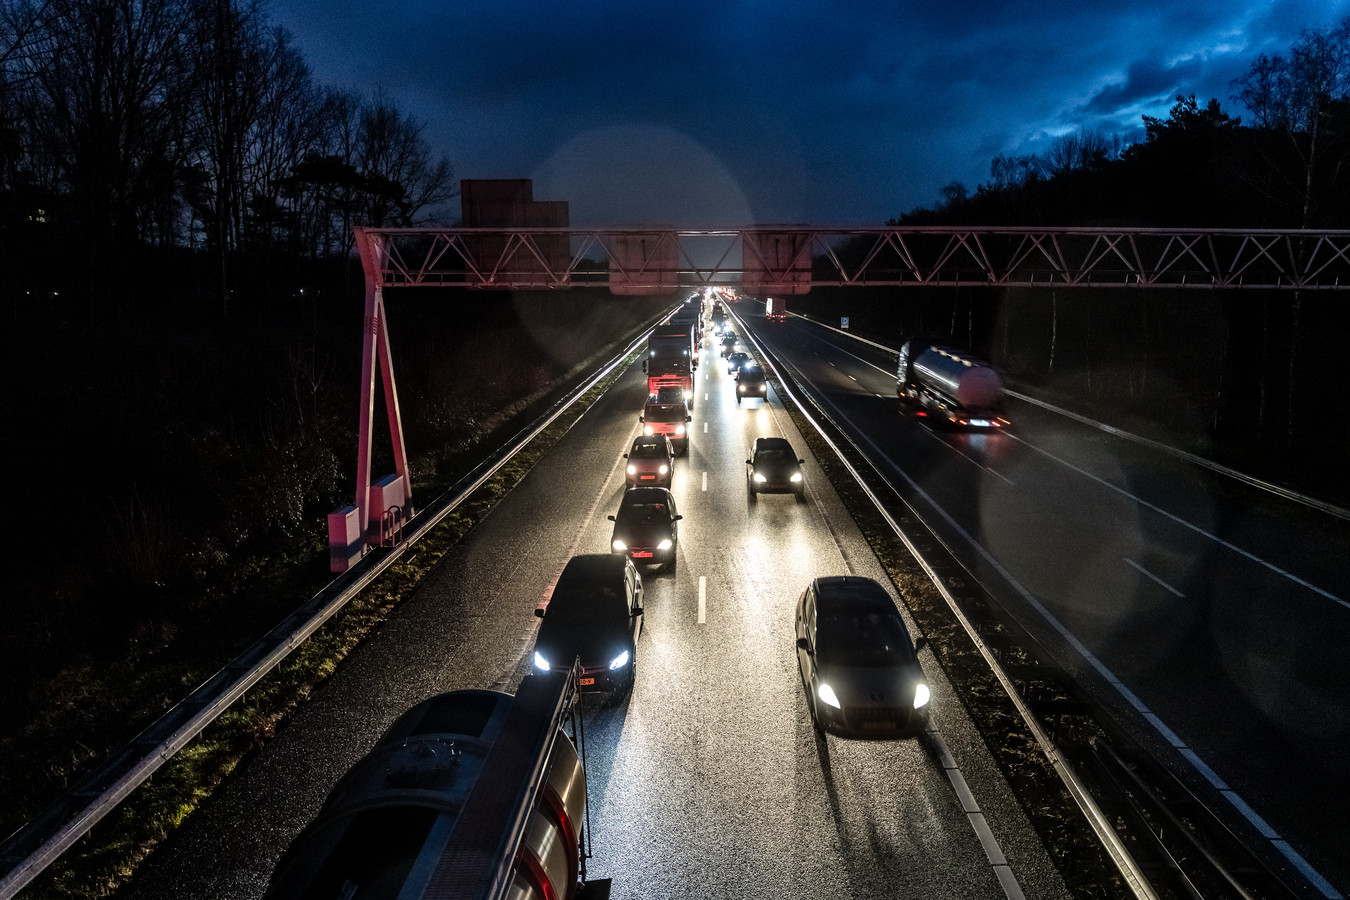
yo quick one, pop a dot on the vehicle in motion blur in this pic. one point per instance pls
(750, 384)
(594, 615)
(774, 468)
(949, 384)
(857, 662)
(651, 460)
(669, 419)
(736, 360)
(645, 528)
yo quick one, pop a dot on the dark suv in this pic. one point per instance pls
(595, 613)
(774, 469)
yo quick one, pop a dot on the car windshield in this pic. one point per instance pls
(774, 455)
(850, 637)
(752, 375)
(644, 512)
(582, 604)
(648, 451)
(663, 412)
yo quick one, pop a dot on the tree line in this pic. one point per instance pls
(137, 132)
(1288, 167)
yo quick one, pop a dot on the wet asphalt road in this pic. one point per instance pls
(708, 780)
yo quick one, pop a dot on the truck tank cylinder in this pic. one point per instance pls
(970, 382)
(386, 824)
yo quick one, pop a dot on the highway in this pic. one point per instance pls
(708, 780)
(1211, 616)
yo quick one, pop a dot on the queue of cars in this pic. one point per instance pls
(855, 658)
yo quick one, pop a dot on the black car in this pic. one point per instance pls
(774, 468)
(644, 527)
(651, 460)
(750, 384)
(595, 614)
(728, 342)
(857, 662)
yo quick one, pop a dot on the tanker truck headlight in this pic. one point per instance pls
(921, 695)
(679, 429)
(540, 662)
(619, 661)
(760, 479)
(796, 477)
(826, 693)
(632, 470)
(664, 469)
(664, 545)
(620, 546)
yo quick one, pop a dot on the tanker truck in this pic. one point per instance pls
(950, 385)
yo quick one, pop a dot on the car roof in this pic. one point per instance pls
(852, 592)
(659, 441)
(772, 443)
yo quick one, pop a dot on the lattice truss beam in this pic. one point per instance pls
(791, 259)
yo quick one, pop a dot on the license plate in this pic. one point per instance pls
(642, 554)
(646, 477)
(585, 681)
(878, 726)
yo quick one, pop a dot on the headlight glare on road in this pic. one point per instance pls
(664, 545)
(921, 695)
(796, 477)
(540, 662)
(760, 479)
(826, 693)
(619, 661)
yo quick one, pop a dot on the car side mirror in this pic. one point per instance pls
(637, 611)
(749, 463)
(804, 644)
(676, 518)
(625, 456)
(538, 612)
(641, 419)
(611, 518)
(801, 462)
(920, 644)
(689, 418)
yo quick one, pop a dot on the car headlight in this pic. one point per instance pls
(647, 430)
(796, 477)
(760, 479)
(540, 662)
(679, 429)
(632, 470)
(620, 545)
(740, 389)
(664, 545)
(921, 695)
(826, 693)
(619, 661)
(664, 469)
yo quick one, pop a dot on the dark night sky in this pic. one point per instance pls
(699, 113)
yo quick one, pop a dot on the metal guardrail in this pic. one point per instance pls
(29, 851)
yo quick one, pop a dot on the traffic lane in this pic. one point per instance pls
(1290, 536)
(712, 774)
(469, 625)
(1203, 633)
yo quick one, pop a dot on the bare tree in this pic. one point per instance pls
(401, 178)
